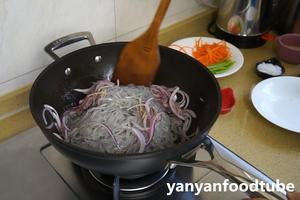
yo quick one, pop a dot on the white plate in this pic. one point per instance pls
(278, 100)
(236, 54)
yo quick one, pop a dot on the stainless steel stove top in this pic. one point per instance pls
(32, 169)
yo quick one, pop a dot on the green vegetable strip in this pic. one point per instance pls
(221, 67)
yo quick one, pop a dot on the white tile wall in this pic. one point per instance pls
(27, 26)
(130, 24)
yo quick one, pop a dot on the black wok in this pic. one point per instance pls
(54, 86)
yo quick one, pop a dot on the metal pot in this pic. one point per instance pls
(243, 22)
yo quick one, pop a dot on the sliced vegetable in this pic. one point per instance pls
(209, 54)
(221, 67)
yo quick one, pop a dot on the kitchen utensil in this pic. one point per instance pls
(277, 100)
(288, 48)
(55, 84)
(81, 68)
(236, 54)
(228, 100)
(272, 61)
(139, 59)
(243, 22)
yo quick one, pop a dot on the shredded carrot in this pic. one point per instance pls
(209, 54)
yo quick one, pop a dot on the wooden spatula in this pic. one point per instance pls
(140, 59)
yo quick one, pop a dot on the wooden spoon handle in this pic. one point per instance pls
(159, 15)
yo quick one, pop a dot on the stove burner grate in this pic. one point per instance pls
(130, 185)
(152, 186)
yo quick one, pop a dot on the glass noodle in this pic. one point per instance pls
(124, 119)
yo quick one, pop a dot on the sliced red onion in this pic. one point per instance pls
(185, 99)
(51, 108)
(50, 126)
(172, 105)
(111, 134)
(85, 91)
(85, 103)
(57, 135)
(188, 115)
(103, 84)
(141, 139)
(152, 127)
(55, 116)
(161, 93)
(45, 119)
(187, 124)
(190, 112)
(90, 89)
(156, 92)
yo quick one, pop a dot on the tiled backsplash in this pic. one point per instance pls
(27, 26)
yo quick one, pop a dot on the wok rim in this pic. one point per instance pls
(182, 147)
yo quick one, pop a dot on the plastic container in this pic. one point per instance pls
(228, 100)
(265, 75)
(288, 48)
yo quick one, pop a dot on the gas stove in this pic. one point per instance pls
(90, 185)
(31, 168)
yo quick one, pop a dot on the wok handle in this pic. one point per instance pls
(67, 40)
(236, 170)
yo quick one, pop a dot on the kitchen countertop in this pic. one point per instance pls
(272, 149)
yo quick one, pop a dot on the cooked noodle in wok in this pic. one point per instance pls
(124, 119)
